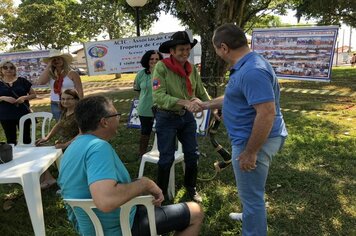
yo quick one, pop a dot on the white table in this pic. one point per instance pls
(26, 167)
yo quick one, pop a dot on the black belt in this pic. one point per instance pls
(178, 113)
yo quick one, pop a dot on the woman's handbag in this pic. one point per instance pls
(5, 152)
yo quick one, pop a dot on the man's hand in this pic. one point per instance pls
(194, 105)
(247, 161)
(155, 191)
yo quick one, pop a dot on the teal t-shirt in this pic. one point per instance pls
(144, 85)
(89, 159)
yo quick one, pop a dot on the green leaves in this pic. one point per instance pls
(42, 23)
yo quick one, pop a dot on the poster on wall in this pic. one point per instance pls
(303, 53)
(29, 64)
(202, 119)
(122, 55)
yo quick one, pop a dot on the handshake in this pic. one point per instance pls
(195, 105)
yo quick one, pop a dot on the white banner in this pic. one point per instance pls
(122, 55)
(303, 53)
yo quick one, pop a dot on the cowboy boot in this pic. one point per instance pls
(144, 140)
(190, 183)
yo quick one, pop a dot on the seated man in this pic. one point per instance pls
(90, 168)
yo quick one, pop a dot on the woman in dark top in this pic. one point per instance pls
(15, 93)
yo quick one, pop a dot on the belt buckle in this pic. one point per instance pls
(181, 112)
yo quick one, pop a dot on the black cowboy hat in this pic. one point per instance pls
(178, 38)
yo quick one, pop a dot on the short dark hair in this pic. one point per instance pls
(89, 112)
(231, 35)
(146, 58)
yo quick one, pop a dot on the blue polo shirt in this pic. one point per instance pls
(252, 81)
(89, 159)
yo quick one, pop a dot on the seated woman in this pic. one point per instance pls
(66, 129)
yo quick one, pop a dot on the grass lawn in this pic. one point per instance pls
(311, 188)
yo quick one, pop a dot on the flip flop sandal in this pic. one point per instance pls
(8, 204)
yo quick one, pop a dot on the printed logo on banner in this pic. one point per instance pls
(98, 51)
(99, 66)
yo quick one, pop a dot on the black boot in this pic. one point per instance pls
(144, 140)
(163, 180)
(190, 182)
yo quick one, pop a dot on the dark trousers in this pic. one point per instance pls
(146, 124)
(10, 129)
(168, 127)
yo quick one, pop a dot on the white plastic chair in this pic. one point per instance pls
(88, 204)
(46, 125)
(153, 157)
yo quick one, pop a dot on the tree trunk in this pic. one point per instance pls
(213, 68)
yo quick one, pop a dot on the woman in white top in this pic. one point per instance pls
(60, 77)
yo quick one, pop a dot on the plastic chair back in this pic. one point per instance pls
(46, 118)
(153, 157)
(88, 205)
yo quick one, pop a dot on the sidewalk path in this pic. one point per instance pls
(89, 89)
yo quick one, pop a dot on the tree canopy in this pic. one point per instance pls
(42, 23)
(204, 16)
(327, 12)
(59, 23)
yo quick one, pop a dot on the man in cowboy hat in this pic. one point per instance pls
(176, 84)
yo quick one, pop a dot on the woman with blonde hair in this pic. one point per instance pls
(15, 93)
(60, 77)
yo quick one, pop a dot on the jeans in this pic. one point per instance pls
(56, 111)
(168, 127)
(251, 186)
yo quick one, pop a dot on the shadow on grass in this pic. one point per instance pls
(309, 187)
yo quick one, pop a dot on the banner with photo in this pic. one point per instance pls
(202, 119)
(122, 55)
(303, 53)
(29, 64)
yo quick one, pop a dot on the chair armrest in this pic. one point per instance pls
(125, 213)
(88, 204)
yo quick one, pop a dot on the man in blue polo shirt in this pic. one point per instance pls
(254, 122)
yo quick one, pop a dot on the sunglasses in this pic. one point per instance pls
(112, 115)
(8, 67)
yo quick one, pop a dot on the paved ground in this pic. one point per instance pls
(89, 89)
